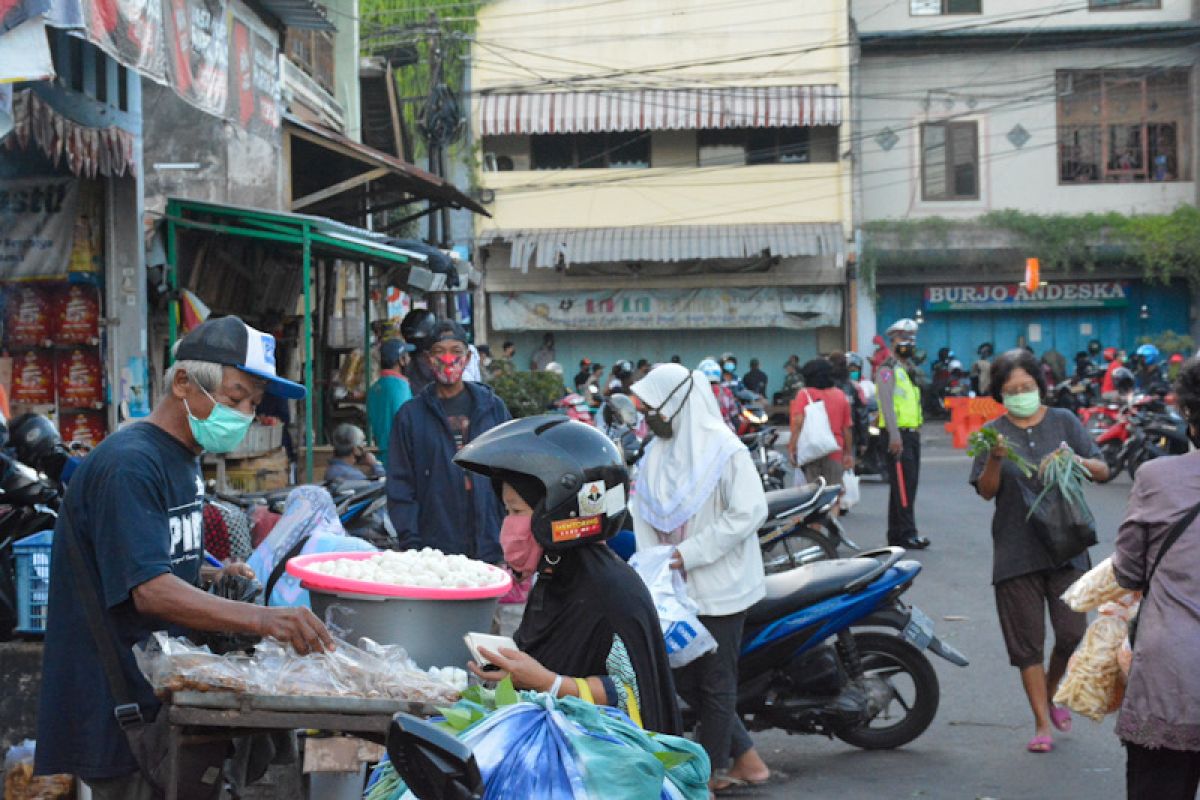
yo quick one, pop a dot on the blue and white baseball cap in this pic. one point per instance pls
(233, 343)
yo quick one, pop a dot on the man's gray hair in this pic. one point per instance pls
(205, 374)
(345, 438)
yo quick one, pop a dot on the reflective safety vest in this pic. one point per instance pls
(906, 399)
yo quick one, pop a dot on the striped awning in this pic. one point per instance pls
(542, 247)
(660, 109)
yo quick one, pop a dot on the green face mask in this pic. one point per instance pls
(224, 429)
(1023, 405)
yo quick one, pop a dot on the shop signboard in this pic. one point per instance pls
(695, 309)
(131, 31)
(37, 226)
(254, 74)
(198, 31)
(1004, 296)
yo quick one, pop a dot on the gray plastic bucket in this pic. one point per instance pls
(430, 630)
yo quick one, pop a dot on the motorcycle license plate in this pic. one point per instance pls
(919, 629)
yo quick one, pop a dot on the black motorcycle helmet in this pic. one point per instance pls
(620, 410)
(623, 370)
(1123, 380)
(36, 442)
(579, 468)
(417, 327)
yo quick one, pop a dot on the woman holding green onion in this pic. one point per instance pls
(1027, 582)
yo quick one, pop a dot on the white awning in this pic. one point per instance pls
(542, 247)
(660, 109)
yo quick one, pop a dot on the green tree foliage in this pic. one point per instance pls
(528, 393)
(1163, 246)
(387, 24)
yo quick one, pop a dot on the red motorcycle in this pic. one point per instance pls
(1114, 441)
(1099, 418)
(576, 407)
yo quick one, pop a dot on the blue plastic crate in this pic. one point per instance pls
(32, 556)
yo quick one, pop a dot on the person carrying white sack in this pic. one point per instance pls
(698, 490)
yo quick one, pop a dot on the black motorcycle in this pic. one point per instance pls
(801, 527)
(31, 473)
(1155, 432)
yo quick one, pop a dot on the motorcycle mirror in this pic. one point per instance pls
(434, 764)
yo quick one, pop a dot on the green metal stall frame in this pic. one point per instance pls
(314, 236)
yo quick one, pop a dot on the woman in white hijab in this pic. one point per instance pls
(698, 490)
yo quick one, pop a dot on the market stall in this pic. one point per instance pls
(267, 265)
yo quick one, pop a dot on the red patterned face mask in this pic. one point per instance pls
(448, 369)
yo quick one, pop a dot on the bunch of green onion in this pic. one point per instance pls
(984, 440)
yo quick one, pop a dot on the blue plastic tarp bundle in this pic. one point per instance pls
(570, 750)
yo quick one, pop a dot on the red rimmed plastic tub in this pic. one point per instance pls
(429, 623)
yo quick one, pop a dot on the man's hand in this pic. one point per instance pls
(1000, 451)
(367, 459)
(676, 560)
(847, 461)
(239, 568)
(297, 626)
(895, 447)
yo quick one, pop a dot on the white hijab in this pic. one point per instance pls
(679, 474)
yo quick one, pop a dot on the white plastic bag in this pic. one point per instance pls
(850, 490)
(686, 638)
(816, 436)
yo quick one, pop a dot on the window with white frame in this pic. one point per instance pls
(950, 161)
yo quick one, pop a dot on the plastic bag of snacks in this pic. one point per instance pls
(173, 664)
(1097, 587)
(20, 782)
(1094, 685)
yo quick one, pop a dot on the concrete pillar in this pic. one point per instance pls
(125, 284)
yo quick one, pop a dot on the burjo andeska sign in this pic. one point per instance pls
(997, 296)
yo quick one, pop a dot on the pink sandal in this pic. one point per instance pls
(1040, 744)
(1061, 718)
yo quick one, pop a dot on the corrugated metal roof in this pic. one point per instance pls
(307, 14)
(541, 247)
(660, 109)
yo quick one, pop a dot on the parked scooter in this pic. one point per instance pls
(808, 664)
(1156, 431)
(801, 527)
(29, 497)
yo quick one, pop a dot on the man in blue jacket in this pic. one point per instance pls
(431, 500)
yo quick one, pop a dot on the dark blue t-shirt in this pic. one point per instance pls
(136, 505)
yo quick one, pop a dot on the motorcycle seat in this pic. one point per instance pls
(784, 501)
(806, 586)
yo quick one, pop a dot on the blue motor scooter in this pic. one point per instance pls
(832, 650)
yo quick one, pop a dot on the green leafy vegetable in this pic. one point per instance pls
(506, 694)
(1063, 471)
(984, 440)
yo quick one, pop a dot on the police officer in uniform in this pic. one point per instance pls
(900, 413)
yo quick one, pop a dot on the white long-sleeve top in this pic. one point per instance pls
(721, 556)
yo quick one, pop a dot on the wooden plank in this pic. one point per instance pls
(339, 187)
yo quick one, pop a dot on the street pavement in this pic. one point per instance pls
(975, 747)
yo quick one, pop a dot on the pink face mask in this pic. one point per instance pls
(448, 369)
(521, 550)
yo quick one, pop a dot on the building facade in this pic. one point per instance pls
(968, 109)
(664, 179)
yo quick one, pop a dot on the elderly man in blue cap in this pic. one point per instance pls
(128, 560)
